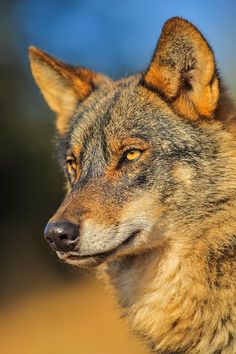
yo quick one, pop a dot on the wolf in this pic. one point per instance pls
(150, 164)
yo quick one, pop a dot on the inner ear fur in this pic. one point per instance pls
(183, 70)
(62, 85)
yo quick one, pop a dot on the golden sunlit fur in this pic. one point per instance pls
(184, 60)
(160, 226)
(61, 84)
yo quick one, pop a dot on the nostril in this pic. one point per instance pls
(64, 238)
(62, 235)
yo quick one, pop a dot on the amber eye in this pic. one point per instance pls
(71, 163)
(133, 154)
(71, 168)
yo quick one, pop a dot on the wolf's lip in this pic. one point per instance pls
(99, 258)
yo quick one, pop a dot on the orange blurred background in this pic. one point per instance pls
(71, 319)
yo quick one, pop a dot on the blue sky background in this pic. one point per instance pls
(118, 37)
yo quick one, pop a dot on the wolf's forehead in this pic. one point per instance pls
(102, 109)
(118, 110)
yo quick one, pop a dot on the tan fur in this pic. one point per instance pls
(170, 68)
(162, 229)
(183, 173)
(61, 85)
(186, 296)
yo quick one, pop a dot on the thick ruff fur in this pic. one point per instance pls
(151, 167)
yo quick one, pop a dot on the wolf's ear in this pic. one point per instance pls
(183, 70)
(61, 85)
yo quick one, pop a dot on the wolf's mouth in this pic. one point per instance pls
(93, 260)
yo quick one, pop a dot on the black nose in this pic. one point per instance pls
(62, 236)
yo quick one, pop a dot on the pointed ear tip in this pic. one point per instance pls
(32, 52)
(35, 53)
(180, 21)
(32, 49)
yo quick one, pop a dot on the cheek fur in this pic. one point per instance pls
(183, 173)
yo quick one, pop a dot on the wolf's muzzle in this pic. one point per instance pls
(62, 236)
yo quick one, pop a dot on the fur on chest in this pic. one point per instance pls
(178, 307)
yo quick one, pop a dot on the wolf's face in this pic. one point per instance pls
(137, 152)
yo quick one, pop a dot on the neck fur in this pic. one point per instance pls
(180, 298)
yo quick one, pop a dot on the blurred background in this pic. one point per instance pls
(47, 307)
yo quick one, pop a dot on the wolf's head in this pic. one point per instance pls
(143, 155)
